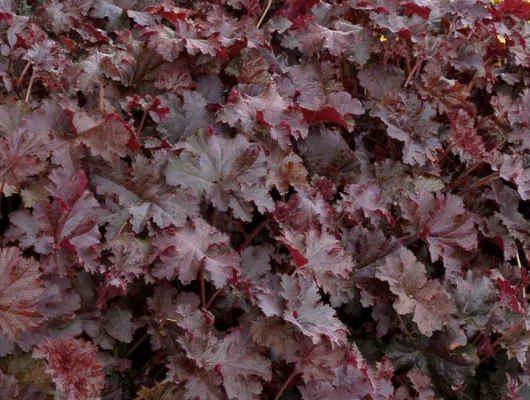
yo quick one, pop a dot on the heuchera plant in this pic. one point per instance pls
(275, 199)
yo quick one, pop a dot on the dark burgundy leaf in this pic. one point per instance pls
(305, 210)
(364, 201)
(228, 172)
(422, 384)
(22, 154)
(232, 361)
(142, 193)
(411, 121)
(426, 299)
(129, 258)
(185, 117)
(519, 8)
(268, 108)
(309, 36)
(20, 287)
(187, 36)
(446, 226)
(228, 199)
(306, 312)
(184, 252)
(445, 94)
(321, 256)
(354, 378)
(293, 8)
(465, 136)
(65, 230)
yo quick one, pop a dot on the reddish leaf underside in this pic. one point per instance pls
(426, 299)
(20, 287)
(73, 366)
(446, 226)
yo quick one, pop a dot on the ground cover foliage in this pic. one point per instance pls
(243, 199)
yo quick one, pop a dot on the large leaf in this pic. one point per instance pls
(22, 154)
(448, 368)
(228, 172)
(320, 256)
(445, 224)
(430, 303)
(143, 195)
(185, 251)
(411, 121)
(306, 311)
(20, 287)
(240, 367)
(64, 230)
(246, 110)
(170, 43)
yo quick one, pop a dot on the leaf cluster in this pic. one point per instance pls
(243, 199)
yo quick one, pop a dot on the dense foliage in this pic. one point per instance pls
(244, 199)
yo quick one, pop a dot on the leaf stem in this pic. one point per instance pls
(477, 338)
(376, 141)
(30, 85)
(253, 234)
(214, 217)
(471, 84)
(142, 122)
(121, 228)
(445, 153)
(416, 67)
(203, 288)
(215, 294)
(346, 71)
(101, 98)
(403, 326)
(23, 74)
(481, 182)
(407, 60)
(339, 220)
(264, 13)
(498, 341)
(471, 32)
(136, 345)
(10, 65)
(286, 384)
(475, 166)
(520, 268)
(410, 236)
(507, 333)
(131, 80)
(467, 172)
(500, 144)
